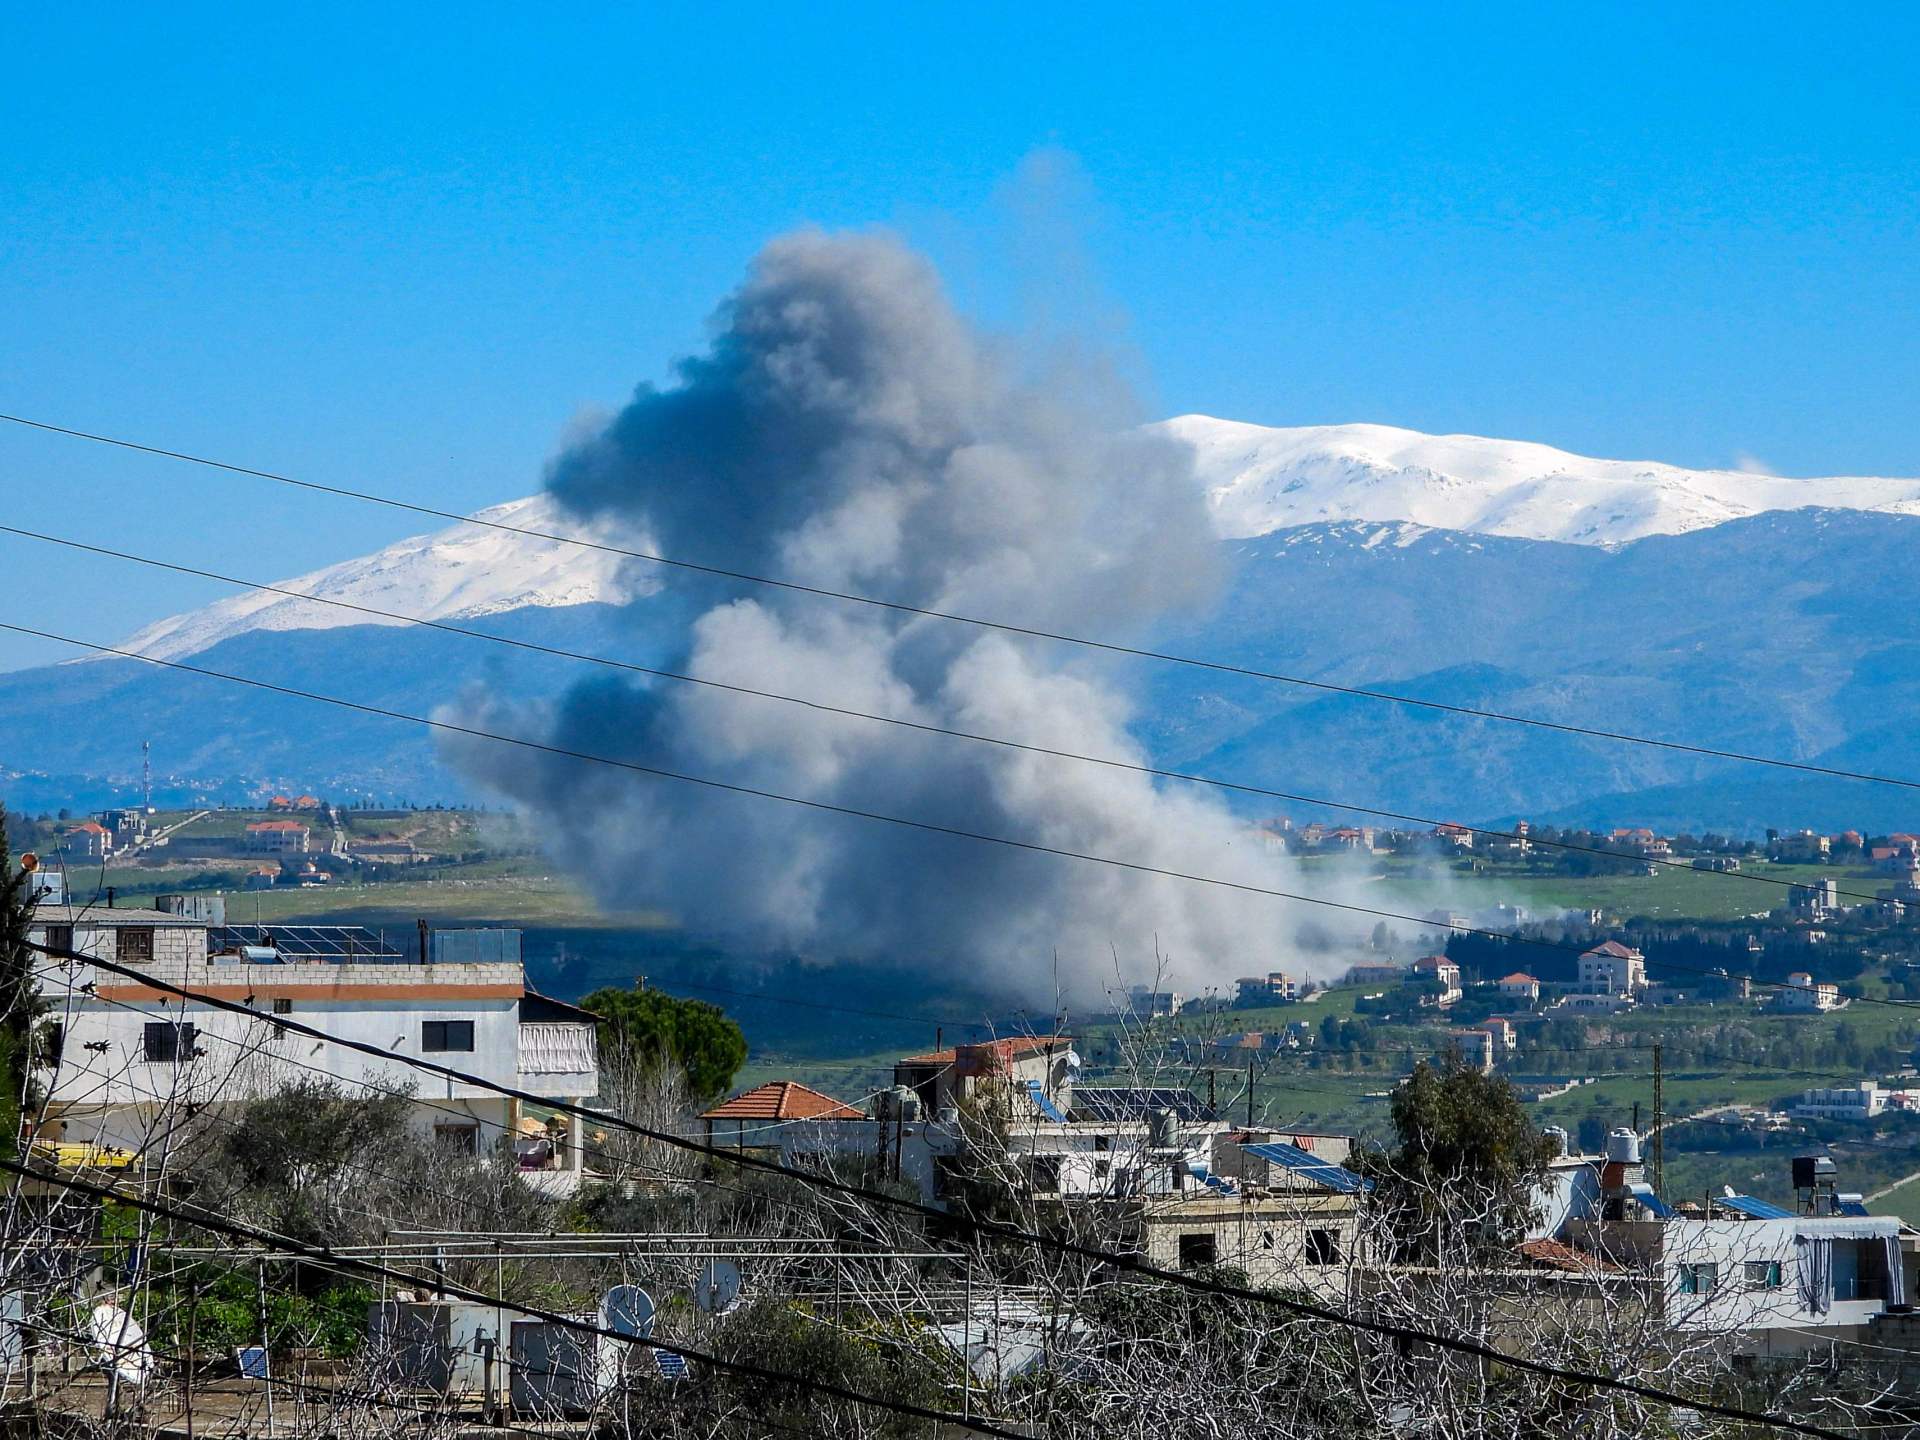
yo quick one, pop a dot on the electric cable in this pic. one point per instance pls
(901, 607)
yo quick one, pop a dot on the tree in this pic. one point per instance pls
(645, 1027)
(1465, 1170)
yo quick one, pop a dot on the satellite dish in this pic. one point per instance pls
(718, 1289)
(120, 1343)
(627, 1310)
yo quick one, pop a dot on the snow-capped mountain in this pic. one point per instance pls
(1260, 479)
(1257, 479)
(462, 572)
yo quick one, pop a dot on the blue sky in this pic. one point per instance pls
(400, 247)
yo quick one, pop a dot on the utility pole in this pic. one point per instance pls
(1250, 1085)
(1659, 1121)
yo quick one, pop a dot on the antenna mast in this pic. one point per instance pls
(146, 774)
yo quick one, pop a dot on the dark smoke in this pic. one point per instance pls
(847, 429)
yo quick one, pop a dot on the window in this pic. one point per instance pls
(1763, 1274)
(444, 1035)
(1323, 1247)
(133, 945)
(60, 937)
(1102, 1142)
(1102, 1169)
(1267, 1241)
(53, 1043)
(169, 1044)
(1043, 1174)
(283, 1006)
(1196, 1250)
(1700, 1279)
(460, 1139)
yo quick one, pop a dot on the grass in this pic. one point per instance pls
(1415, 886)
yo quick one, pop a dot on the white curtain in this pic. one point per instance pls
(1816, 1272)
(1896, 1273)
(550, 1048)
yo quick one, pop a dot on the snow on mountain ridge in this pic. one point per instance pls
(463, 572)
(1260, 478)
(1257, 479)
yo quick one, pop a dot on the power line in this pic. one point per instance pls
(972, 1223)
(656, 672)
(854, 812)
(328, 1259)
(901, 607)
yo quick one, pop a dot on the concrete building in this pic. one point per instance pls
(1611, 968)
(277, 837)
(1442, 972)
(89, 840)
(1804, 995)
(131, 1054)
(1847, 1102)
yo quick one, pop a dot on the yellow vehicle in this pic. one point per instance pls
(82, 1155)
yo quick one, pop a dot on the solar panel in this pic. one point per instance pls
(1043, 1104)
(307, 942)
(670, 1365)
(1752, 1208)
(1309, 1166)
(1848, 1205)
(1126, 1102)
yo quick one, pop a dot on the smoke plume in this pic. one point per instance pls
(847, 429)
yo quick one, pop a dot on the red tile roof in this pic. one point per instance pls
(1615, 949)
(275, 825)
(88, 828)
(1519, 977)
(1017, 1045)
(782, 1100)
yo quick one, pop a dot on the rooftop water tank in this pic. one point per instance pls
(1559, 1138)
(1623, 1147)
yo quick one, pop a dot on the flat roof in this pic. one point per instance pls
(102, 914)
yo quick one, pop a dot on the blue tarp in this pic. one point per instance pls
(1644, 1194)
(1045, 1106)
(1301, 1162)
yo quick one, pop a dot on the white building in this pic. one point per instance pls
(1519, 986)
(1849, 1102)
(132, 1055)
(1613, 969)
(1805, 996)
(277, 837)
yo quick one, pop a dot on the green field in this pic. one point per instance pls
(1415, 887)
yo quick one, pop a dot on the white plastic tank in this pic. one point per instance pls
(1560, 1139)
(1623, 1146)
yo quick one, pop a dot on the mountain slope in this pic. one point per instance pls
(1257, 480)
(1260, 479)
(460, 573)
(1773, 634)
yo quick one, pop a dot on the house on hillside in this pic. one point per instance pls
(277, 837)
(89, 840)
(1442, 972)
(1799, 847)
(1803, 995)
(1449, 836)
(1611, 968)
(1519, 986)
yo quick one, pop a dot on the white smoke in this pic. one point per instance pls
(848, 430)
